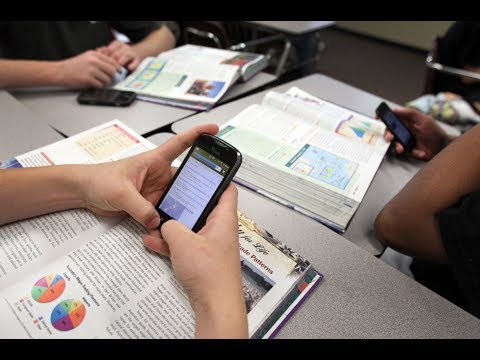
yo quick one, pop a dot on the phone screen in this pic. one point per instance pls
(395, 125)
(397, 128)
(194, 186)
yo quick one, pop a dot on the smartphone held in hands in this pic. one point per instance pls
(108, 97)
(396, 127)
(194, 191)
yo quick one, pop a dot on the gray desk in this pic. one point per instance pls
(160, 138)
(59, 108)
(239, 89)
(292, 27)
(392, 175)
(21, 131)
(360, 296)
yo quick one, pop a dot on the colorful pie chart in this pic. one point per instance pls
(48, 288)
(68, 315)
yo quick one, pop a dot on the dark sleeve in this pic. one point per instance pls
(460, 230)
(3, 29)
(460, 45)
(139, 30)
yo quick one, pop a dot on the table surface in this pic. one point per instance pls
(360, 296)
(59, 108)
(392, 175)
(22, 131)
(293, 27)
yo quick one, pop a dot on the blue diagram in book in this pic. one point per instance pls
(150, 73)
(361, 130)
(323, 166)
(10, 163)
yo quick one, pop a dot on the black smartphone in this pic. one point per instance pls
(108, 97)
(205, 173)
(396, 127)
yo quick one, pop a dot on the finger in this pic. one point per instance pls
(102, 50)
(399, 148)
(124, 59)
(93, 82)
(131, 201)
(115, 45)
(178, 144)
(133, 64)
(108, 69)
(226, 209)
(388, 136)
(154, 242)
(419, 154)
(108, 59)
(176, 235)
(102, 77)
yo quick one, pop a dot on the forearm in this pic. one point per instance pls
(35, 191)
(408, 222)
(18, 73)
(224, 316)
(409, 229)
(156, 42)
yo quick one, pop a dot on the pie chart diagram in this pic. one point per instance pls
(48, 288)
(68, 314)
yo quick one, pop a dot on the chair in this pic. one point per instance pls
(446, 62)
(206, 33)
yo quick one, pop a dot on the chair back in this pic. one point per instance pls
(206, 33)
(448, 59)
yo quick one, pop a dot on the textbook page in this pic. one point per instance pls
(191, 76)
(198, 84)
(28, 244)
(329, 116)
(293, 154)
(248, 64)
(113, 287)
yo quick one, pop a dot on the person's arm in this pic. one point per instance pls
(130, 185)
(407, 223)
(18, 73)
(89, 69)
(131, 55)
(156, 42)
(35, 191)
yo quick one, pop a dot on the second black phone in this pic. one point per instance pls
(396, 127)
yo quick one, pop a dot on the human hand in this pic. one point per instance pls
(207, 264)
(430, 137)
(122, 53)
(134, 184)
(89, 69)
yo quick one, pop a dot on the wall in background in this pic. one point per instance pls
(416, 34)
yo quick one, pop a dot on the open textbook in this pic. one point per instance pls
(311, 155)
(191, 76)
(73, 274)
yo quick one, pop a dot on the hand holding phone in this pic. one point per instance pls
(108, 97)
(396, 127)
(205, 173)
